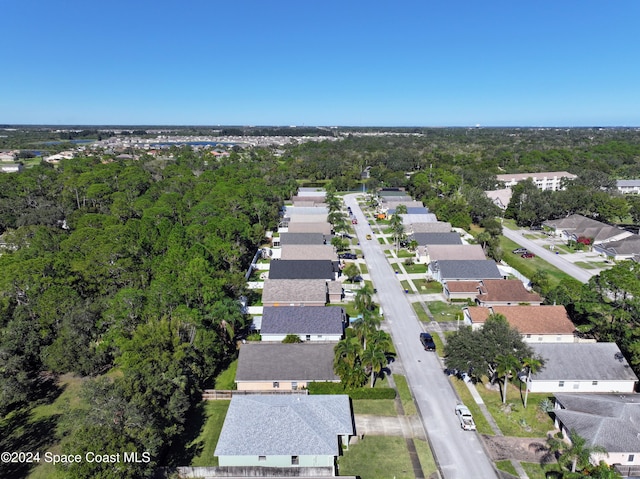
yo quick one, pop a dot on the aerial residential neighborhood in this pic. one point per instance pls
(319, 326)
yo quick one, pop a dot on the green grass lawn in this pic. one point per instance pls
(586, 265)
(377, 457)
(529, 422)
(407, 287)
(420, 312)
(529, 266)
(445, 311)
(416, 268)
(537, 471)
(506, 466)
(205, 444)
(226, 379)
(427, 287)
(376, 407)
(405, 395)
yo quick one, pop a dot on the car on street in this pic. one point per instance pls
(528, 255)
(466, 419)
(368, 237)
(354, 221)
(520, 251)
(427, 342)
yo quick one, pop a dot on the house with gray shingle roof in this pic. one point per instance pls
(298, 251)
(299, 238)
(280, 366)
(577, 226)
(303, 269)
(294, 292)
(310, 323)
(463, 270)
(312, 227)
(582, 368)
(608, 420)
(426, 239)
(285, 431)
(626, 248)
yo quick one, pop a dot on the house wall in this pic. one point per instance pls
(298, 303)
(621, 458)
(570, 386)
(276, 461)
(269, 385)
(312, 337)
(548, 338)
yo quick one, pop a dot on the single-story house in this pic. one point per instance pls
(303, 269)
(460, 290)
(312, 191)
(323, 227)
(280, 366)
(293, 211)
(299, 238)
(623, 249)
(463, 270)
(308, 201)
(425, 239)
(306, 218)
(294, 292)
(285, 431)
(436, 252)
(409, 219)
(611, 421)
(537, 324)
(505, 292)
(320, 323)
(429, 227)
(317, 252)
(577, 226)
(582, 368)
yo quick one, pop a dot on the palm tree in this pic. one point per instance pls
(577, 453)
(374, 359)
(347, 351)
(531, 365)
(364, 326)
(363, 300)
(506, 365)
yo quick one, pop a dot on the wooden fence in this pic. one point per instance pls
(214, 394)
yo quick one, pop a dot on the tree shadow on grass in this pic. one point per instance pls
(20, 432)
(185, 449)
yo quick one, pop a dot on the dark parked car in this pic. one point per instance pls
(347, 256)
(427, 342)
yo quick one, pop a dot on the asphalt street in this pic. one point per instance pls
(556, 260)
(459, 454)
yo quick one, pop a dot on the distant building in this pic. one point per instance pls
(11, 167)
(628, 187)
(544, 181)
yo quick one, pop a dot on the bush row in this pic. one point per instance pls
(360, 393)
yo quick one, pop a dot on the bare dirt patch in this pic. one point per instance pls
(525, 449)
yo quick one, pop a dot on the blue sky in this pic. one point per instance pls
(347, 62)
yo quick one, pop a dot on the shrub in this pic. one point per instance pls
(359, 393)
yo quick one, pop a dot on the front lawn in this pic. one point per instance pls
(380, 457)
(415, 268)
(445, 311)
(426, 286)
(515, 420)
(375, 407)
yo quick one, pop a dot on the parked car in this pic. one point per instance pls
(354, 221)
(520, 251)
(528, 255)
(466, 419)
(347, 256)
(427, 341)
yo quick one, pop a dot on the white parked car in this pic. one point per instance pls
(465, 418)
